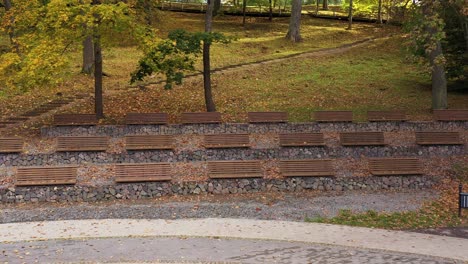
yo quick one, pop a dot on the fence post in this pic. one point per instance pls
(460, 190)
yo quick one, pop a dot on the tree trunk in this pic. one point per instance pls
(210, 106)
(379, 13)
(98, 104)
(439, 81)
(88, 56)
(244, 7)
(317, 7)
(350, 15)
(294, 33)
(325, 5)
(270, 16)
(216, 7)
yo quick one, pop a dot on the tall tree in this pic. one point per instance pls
(379, 12)
(350, 15)
(325, 5)
(88, 56)
(294, 33)
(270, 15)
(210, 106)
(244, 7)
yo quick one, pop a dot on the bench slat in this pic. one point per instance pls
(30, 176)
(333, 116)
(451, 115)
(146, 119)
(75, 120)
(362, 138)
(149, 142)
(227, 141)
(82, 144)
(201, 118)
(11, 145)
(234, 169)
(301, 139)
(143, 172)
(267, 117)
(438, 138)
(395, 166)
(305, 168)
(384, 116)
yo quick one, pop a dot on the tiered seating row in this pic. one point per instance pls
(144, 172)
(216, 141)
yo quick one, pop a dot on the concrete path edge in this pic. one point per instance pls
(357, 237)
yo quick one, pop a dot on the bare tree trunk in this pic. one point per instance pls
(88, 56)
(294, 33)
(325, 5)
(210, 106)
(379, 13)
(439, 81)
(216, 7)
(317, 7)
(270, 16)
(244, 7)
(98, 102)
(350, 15)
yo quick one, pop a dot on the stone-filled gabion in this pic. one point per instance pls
(222, 186)
(176, 129)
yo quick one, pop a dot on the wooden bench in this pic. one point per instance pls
(395, 166)
(201, 118)
(384, 116)
(267, 117)
(451, 115)
(75, 120)
(143, 172)
(362, 139)
(146, 119)
(301, 139)
(82, 144)
(333, 116)
(11, 145)
(148, 142)
(305, 168)
(234, 169)
(27, 176)
(438, 138)
(227, 141)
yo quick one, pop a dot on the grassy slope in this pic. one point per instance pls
(374, 77)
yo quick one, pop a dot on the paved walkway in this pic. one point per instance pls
(224, 240)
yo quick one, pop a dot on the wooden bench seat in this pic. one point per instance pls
(149, 142)
(82, 144)
(75, 120)
(438, 138)
(451, 115)
(362, 139)
(333, 116)
(143, 172)
(146, 119)
(385, 116)
(234, 169)
(227, 141)
(306, 168)
(28, 176)
(301, 139)
(267, 117)
(11, 145)
(201, 118)
(395, 166)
